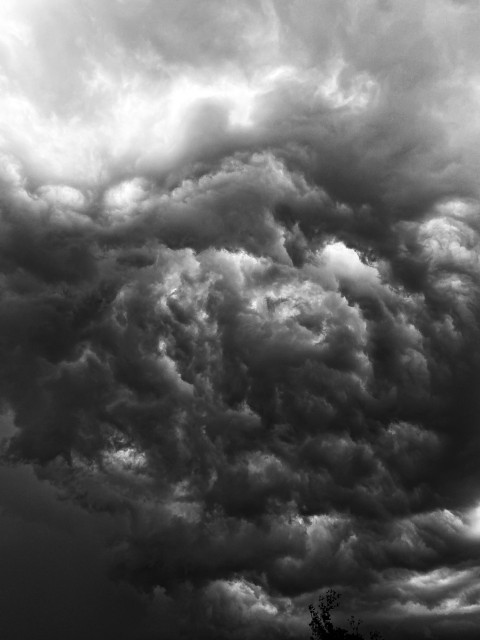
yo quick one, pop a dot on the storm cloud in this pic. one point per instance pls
(239, 318)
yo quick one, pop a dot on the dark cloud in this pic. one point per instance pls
(239, 317)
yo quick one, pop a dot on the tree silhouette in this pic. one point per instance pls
(321, 624)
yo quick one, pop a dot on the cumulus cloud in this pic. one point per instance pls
(239, 316)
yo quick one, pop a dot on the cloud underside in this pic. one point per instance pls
(239, 313)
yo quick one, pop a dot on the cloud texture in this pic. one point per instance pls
(239, 316)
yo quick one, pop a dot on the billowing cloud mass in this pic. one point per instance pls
(240, 317)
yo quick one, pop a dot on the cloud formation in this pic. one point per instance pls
(239, 316)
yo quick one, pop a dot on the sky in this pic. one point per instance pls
(239, 317)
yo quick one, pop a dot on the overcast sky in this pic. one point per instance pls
(239, 317)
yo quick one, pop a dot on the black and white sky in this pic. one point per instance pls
(239, 317)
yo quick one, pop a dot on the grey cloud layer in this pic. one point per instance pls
(239, 329)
